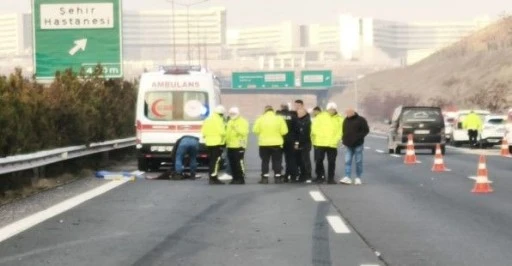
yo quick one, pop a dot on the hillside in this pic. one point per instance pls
(476, 71)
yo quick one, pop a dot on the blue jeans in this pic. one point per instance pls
(350, 153)
(190, 147)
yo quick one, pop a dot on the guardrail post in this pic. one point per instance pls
(37, 174)
(105, 157)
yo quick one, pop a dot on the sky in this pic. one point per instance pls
(243, 13)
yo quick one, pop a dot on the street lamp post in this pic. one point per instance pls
(187, 6)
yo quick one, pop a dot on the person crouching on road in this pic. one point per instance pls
(237, 131)
(214, 133)
(326, 133)
(187, 145)
(355, 129)
(270, 129)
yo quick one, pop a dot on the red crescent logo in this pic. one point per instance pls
(154, 108)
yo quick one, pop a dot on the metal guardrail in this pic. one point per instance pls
(18, 163)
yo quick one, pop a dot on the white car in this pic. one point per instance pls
(460, 135)
(448, 126)
(493, 130)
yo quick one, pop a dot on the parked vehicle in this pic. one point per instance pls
(460, 135)
(448, 126)
(425, 123)
(172, 102)
(493, 130)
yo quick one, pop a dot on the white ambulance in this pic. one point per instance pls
(172, 102)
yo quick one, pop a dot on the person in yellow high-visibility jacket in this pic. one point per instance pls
(326, 133)
(214, 134)
(237, 132)
(270, 129)
(473, 124)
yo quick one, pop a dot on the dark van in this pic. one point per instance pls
(426, 124)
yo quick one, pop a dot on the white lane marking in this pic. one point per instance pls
(379, 151)
(370, 265)
(367, 148)
(317, 196)
(396, 155)
(338, 225)
(26, 223)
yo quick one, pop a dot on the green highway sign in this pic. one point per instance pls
(316, 78)
(253, 80)
(77, 34)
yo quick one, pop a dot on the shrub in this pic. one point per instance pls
(75, 109)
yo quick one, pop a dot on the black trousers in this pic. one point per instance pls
(214, 157)
(303, 158)
(236, 162)
(331, 153)
(274, 153)
(473, 136)
(290, 159)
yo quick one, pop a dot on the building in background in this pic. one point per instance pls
(148, 35)
(15, 35)
(411, 42)
(284, 46)
(150, 38)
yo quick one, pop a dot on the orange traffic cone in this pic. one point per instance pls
(438, 161)
(482, 184)
(410, 155)
(504, 148)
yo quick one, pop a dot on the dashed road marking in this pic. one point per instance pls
(367, 148)
(37, 218)
(379, 151)
(317, 196)
(395, 155)
(338, 225)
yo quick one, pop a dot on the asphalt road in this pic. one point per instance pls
(406, 214)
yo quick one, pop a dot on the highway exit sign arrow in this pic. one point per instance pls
(79, 45)
(77, 34)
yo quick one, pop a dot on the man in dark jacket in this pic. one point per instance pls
(304, 148)
(290, 140)
(355, 129)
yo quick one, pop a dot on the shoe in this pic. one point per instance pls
(346, 181)
(177, 177)
(237, 182)
(318, 180)
(215, 181)
(331, 182)
(264, 180)
(225, 177)
(358, 181)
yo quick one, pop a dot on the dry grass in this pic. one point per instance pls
(481, 61)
